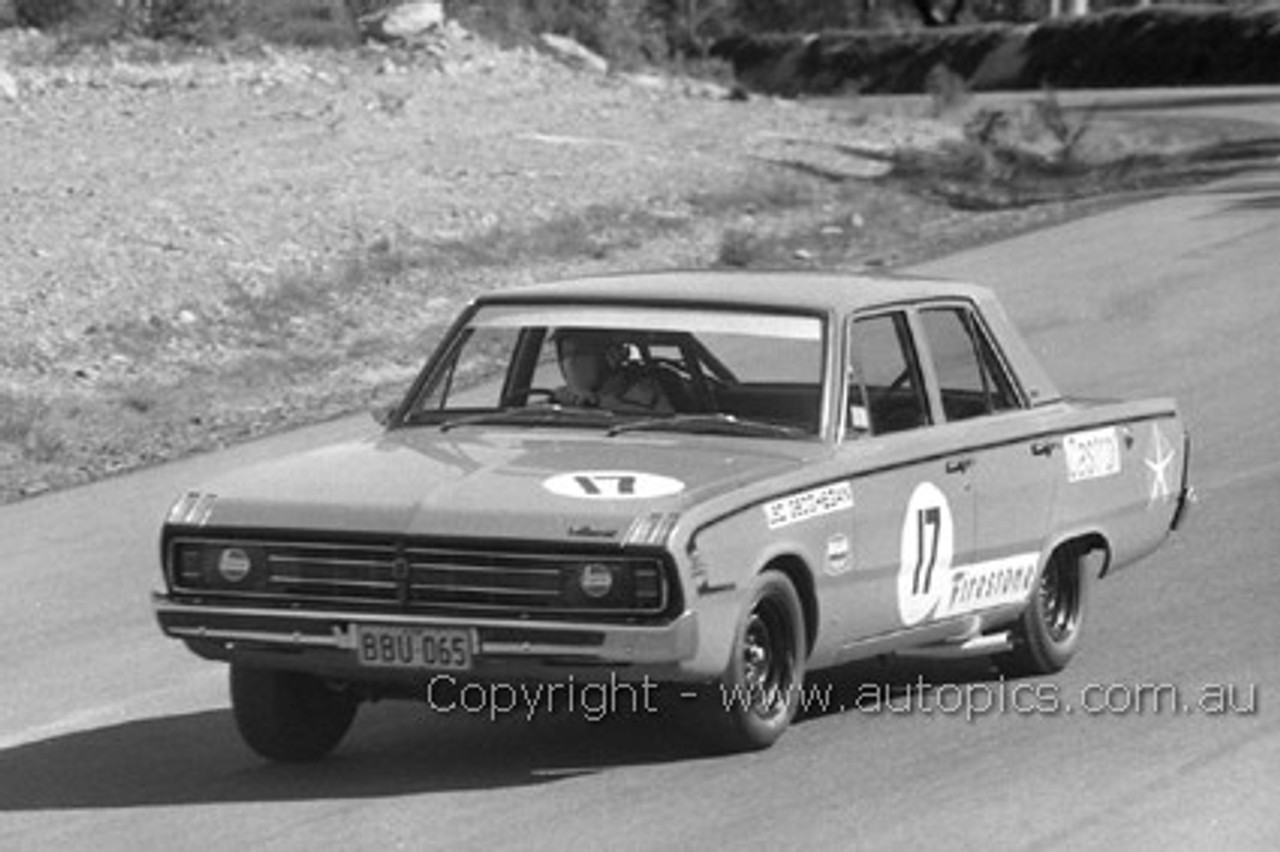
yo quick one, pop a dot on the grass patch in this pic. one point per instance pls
(595, 233)
(773, 191)
(26, 430)
(319, 303)
(740, 248)
(19, 416)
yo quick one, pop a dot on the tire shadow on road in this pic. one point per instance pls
(393, 750)
(888, 684)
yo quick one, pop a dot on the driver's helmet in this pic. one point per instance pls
(608, 342)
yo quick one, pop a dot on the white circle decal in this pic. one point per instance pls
(927, 547)
(612, 485)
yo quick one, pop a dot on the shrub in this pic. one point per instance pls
(51, 13)
(1161, 46)
(303, 22)
(82, 21)
(363, 8)
(310, 23)
(203, 21)
(948, 91)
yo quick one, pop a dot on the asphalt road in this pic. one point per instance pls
(112, 737)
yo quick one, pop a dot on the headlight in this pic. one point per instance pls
(234, 564)
(596, 580)
(615, 584)
(204, 565)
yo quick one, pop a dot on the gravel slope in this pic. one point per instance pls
(198, 247)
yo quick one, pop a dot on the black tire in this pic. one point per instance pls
(755, 700)
(289, 716)
(1047, 635)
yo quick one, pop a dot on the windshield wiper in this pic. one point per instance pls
(531, 416)
(726, 424)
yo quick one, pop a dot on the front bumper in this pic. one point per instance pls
(324, 642)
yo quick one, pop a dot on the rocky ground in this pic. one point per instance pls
(200, 246)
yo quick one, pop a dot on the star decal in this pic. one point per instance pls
(1162, 455)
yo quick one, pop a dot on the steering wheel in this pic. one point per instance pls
(702, 388)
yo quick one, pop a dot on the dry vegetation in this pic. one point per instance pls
(1168, 45)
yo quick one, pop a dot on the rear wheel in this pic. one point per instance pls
(1048, 633)
(756, 698)
(289, 716)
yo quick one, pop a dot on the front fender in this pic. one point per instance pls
(725, 557)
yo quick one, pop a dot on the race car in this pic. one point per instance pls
(707, 482)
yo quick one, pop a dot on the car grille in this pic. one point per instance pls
(424, 578)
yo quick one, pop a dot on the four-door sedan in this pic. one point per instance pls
(717, 481)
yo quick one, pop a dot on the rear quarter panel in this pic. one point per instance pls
(1133, 505)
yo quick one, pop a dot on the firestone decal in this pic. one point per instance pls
(987, 584)
(1094, 454)
(612, 485)
(805, 505)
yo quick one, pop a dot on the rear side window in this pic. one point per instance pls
(885, 390)
(971, 379)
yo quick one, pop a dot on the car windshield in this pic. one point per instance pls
(626, 369)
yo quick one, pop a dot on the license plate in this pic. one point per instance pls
(433, 648)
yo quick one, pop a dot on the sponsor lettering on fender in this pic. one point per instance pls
(805, 505)
(1094, 454)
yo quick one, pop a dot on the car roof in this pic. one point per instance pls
(787, 290)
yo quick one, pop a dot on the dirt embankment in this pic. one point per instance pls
(201, 246)
(1166, 46)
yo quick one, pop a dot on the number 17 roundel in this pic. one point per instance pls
(926, 550)
(612, 485)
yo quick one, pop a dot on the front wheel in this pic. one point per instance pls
(1048, 633)
(756, 698)
(289, 716)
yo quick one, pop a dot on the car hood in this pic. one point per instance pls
(558, 485)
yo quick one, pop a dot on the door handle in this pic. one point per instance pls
(1043, 448)
(959, 465)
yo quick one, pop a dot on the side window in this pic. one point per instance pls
(971, 380)
(885, 391)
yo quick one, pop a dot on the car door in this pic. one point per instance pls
(913, 502)
(1013, 474)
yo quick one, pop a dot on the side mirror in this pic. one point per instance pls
(382, 414)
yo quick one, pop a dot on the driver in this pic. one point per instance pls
(596, 375)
